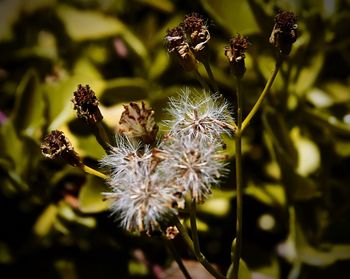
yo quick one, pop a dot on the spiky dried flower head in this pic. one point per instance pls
(86, 104)
(56, 145)
(284, 32)
(196, 31)
(235, 53)
(196, 164)
(180, 49)
(138, 122)
(142, 197)
(199, 115)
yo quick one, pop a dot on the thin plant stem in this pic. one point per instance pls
(201, 80)
(239, 186)
(177, 258)
(200, 257)
(263, 94)
(102, 136)
(210, 75)
(194, 230)
(93, 172)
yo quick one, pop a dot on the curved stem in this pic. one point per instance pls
(239, 187)
(93, 172)
(200, 257)
(263, 94)
(177, 258)
(194, 226)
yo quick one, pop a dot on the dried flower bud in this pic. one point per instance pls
(235, 53)
(284, 32)
(197, 31)
(86, 104)
(138, 122)
(171, 232)
(179, 48)
(56, 145)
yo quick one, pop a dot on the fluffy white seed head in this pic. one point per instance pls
(194, 164)
(142, 196)
(198, 115)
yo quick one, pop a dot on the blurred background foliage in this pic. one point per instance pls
(296, 161)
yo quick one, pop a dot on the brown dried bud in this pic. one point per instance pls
(56, 145)
(196, 30)
(86, 104)
(235, 53)
(171, 232)
(180, 49)
(284, 32)
(138, 122)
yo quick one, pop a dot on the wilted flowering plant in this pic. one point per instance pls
(152, 176)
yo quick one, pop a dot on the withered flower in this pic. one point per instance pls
(284, 32)
(196, 31)
(56, 145)
(235, 53)
(138, 122)
(86, 104)
(180, 49)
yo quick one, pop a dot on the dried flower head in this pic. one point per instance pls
(86, 104)
(196, 31)
(195, 164)
(284, 32)
(141, 197)
(235, 53)
(199, 115)
(180, 49)
(56, 145)
(138, 122)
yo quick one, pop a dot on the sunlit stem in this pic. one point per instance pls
(93, 172)
(239, 186)
(262, 95)
(200, 257)
(194, 230)
(177, 258)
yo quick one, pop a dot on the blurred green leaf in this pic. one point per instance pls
(309, 73)
(88, 25)
(162, 5)
(28, 112)
(234, 16)
(90, 196)
(269, 194)
(45, 221)
(309, 158)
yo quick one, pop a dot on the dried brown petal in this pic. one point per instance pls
(138, 122)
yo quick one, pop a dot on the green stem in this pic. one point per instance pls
(202, 80)
(263, 94)
(102, 136)
(210, 75)
(239, 186)
(194, 227)
(177, 258)
(94, 172)
(200, 257)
